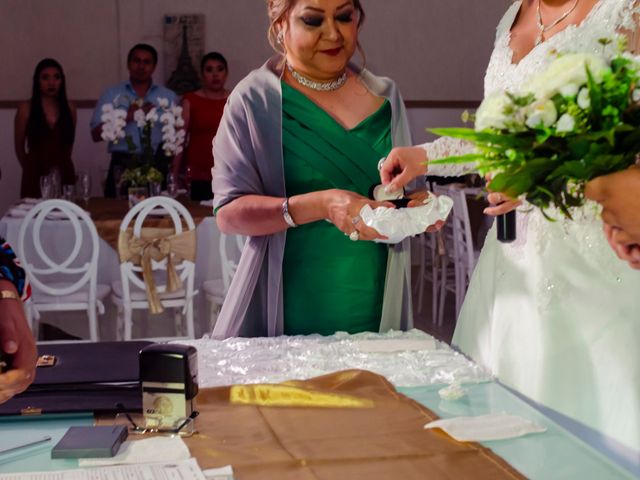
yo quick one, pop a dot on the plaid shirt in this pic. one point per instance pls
(11, 270)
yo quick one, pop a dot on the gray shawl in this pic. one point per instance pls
(249, 160)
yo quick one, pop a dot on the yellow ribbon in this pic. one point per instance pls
(291, 396)
(157, 244)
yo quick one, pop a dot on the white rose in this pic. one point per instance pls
(544, 113)
(163, 102)
(107, 108)
(179, 122)
(570, 90)
(491, 114)
(566, 124)
(567, 69)
(584, 99)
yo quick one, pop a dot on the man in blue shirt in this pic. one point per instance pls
(139, 92)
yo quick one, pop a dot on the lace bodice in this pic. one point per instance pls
(606, 19)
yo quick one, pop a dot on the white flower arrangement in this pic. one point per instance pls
(167, 113)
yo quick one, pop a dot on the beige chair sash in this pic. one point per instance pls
(157, 244)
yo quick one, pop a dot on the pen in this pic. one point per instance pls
(24, 445)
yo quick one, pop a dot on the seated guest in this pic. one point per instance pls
(298, 144)
(202, 111)
(16, 340)
(45, 130)
(139, 92)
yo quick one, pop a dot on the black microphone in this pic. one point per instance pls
(507, 227)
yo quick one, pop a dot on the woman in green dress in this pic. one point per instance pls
(299, 144)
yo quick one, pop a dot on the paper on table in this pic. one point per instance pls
(394, 345)
(222, 473)
(495, 426)
(185, 470)
(154, 449)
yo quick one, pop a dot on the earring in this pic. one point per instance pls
(280, 37)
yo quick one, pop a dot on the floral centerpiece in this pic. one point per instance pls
(144, 168)
(574, 121)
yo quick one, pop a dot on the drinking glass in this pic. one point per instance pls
(45, 186)
(84, 184)
(68, 192)
(155, 188)
(172, 185)
(56, 183)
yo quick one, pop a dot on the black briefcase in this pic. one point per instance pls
(82, 377)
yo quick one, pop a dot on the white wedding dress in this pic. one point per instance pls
(556, 315)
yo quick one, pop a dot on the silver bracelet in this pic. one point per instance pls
(286, 215)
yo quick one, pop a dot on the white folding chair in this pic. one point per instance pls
(216, 290)
(459, 250)
(67, 285)
(129, 293)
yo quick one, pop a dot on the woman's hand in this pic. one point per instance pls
(343, 207)
(618, 195)
(417, 200)
(623, 245)
(16, 340)
(402, 165)
(503, 203)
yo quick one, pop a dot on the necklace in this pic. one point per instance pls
(319, 86)
(543, 28)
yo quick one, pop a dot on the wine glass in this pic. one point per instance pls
(84, 184)
(45, 186)
(172, 185)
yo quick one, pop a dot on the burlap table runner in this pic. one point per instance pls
(107, 215)
(381, 439)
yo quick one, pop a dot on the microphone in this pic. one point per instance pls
(507, 227)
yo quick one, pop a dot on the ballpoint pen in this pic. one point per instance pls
(24, 445)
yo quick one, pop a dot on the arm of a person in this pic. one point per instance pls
(618, 195)
(239, 177)
(16, 340)
(403, 164)
(20, 132)
(177, 166)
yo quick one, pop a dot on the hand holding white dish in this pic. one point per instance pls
(400, 223)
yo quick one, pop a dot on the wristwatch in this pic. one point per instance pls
(9, 295)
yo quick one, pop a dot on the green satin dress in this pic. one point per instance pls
(330, 282)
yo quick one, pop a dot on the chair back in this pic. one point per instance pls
(230, 252)
(47, 273)
(462, 231)
(133, 222)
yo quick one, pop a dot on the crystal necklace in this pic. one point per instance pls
(543, 28)
(319, 86)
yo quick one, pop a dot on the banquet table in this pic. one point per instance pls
(107, 214)
(414, 362)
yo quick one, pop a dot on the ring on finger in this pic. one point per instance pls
(355, 220)
(354, 236)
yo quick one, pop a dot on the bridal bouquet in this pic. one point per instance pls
(575, 121)
(146, 116)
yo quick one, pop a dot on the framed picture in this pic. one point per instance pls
(183, 49)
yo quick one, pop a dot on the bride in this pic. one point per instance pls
(554, 315)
